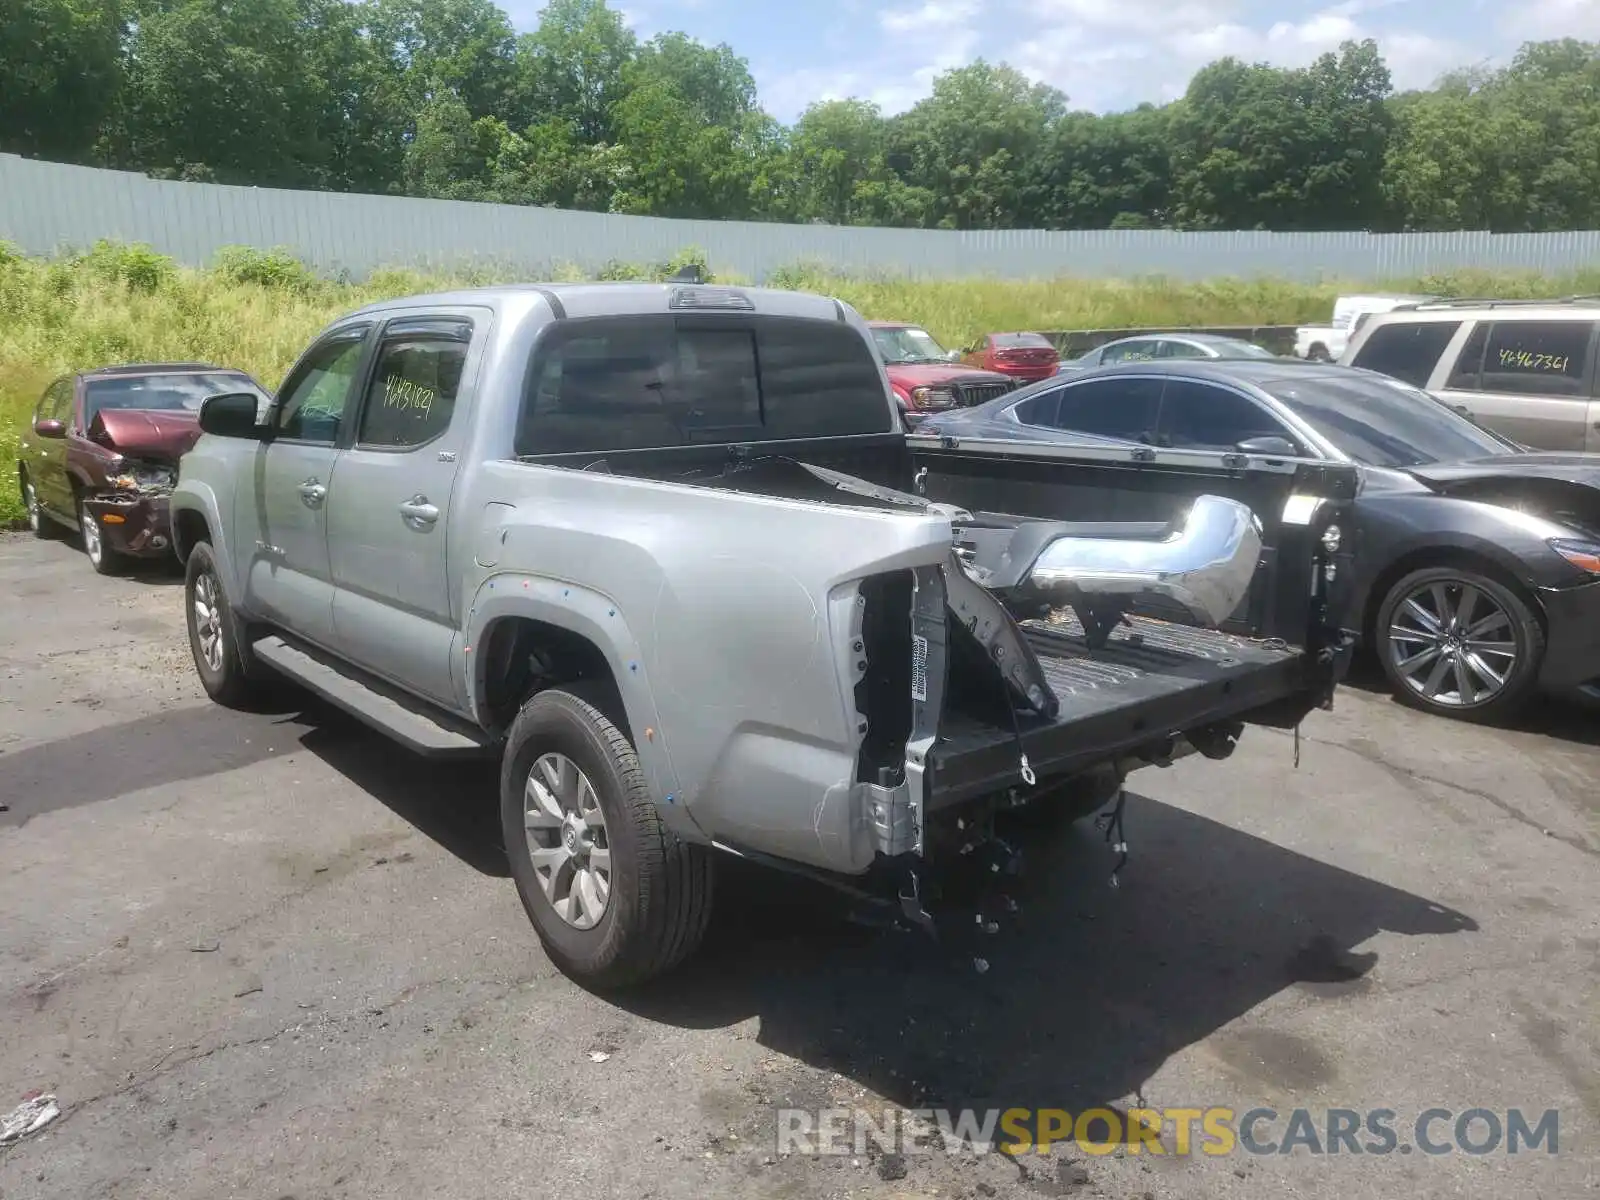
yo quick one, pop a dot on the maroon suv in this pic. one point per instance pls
(102, 453)
(926, 377)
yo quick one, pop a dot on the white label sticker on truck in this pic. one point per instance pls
(919, 668)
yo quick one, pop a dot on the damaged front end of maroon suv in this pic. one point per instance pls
(103, 458)
(130, 484)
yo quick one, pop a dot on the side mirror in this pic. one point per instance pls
(232, 414)
(49, 427)
(1271, 446)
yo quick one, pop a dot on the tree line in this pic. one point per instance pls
(442, 98)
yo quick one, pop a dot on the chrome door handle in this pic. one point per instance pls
(313, 493)
(418, 513)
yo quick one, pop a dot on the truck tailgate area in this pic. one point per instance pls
(1151, 679)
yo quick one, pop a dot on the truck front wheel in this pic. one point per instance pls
(615, 897)
(228, 670)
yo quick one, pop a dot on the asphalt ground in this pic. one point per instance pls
(271, 955)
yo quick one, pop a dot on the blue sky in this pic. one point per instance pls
(1105, 54)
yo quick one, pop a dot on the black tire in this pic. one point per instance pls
(101, 556)
(1522, 623)
(659, 900)
(1318, 353)
(39, 521)
(235, 681)
(1069, 800)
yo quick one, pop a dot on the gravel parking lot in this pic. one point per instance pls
(273, 956)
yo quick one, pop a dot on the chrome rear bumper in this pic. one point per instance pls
(1205, 565)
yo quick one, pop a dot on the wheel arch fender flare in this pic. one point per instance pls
(594, 617)
(1441, 549)
(195, 499)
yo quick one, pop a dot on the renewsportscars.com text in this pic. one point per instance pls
(1176, 1131)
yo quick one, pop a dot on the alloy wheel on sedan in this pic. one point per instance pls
(1453, 644)
(93, 543)
(30, 501)
(567, 840)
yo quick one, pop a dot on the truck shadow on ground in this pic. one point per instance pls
(454, 803)
(146, 752)
(1089, 989)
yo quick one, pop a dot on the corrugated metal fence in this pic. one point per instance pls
(45, 207)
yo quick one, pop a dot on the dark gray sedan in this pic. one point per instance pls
(1476, 563)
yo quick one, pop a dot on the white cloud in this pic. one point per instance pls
(1555, 19)
(1143, 49)
(931, 17)
(918, 45)
(1105, 54)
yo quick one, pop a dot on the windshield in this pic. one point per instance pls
(1022, 341)
(160, 393)
(908, 344)
(1383, 422)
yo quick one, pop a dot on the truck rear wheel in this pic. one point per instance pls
(614, 895)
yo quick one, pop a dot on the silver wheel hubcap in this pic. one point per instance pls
(567, 840)
(208, 621)
(1453, 644)
(91, 535)
(31, 501)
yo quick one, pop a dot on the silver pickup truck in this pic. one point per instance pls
(659, 547)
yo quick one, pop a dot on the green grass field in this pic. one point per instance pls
(256, 310)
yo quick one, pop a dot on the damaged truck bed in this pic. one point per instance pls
(1185, 685)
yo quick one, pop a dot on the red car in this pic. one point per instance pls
(1024, 356)
(928, 378)
(102, 453)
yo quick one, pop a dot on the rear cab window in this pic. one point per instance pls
(1406, 350)
(608, 384)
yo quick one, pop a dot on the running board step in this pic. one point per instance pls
(372, 702)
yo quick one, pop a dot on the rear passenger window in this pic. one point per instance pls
(1040, 410)
(413, 391)
(1406, 350)
(1200, 416)
(635, 383)
(1537, 358)
(1116, 408)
